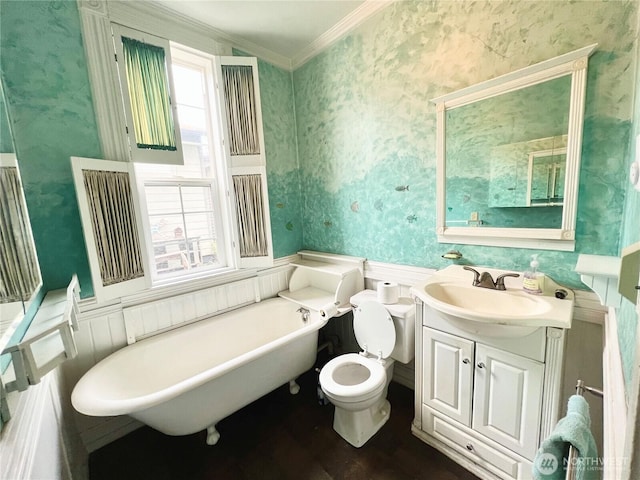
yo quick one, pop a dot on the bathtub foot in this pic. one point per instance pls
(294, 388)
(212, 435)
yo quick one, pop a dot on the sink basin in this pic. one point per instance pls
(508, 313)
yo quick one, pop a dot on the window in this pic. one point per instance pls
(144, 69)
(184, 205)
(207, 215)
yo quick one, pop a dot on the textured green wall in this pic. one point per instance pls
(276, 94)
(6, 142)
(49, 100)
(627, 317)
(48, 91)
(366, 127)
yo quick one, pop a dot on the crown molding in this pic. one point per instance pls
(262, 53)
(340, 29)
(151, 11)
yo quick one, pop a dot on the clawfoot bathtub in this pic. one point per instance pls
(190, 378)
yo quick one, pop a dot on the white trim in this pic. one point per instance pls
(96, 17)
(540, 244)
(156, 18)
(339, 30)
(33, 437)
(8, 160)
(542, 71)
(402, 274)
(137, 154)
(574, 64)
(552, 386)
(103, 76)
(162, 21)
(614, 402)
(78, 164)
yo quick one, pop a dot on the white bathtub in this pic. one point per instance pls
(188, 379)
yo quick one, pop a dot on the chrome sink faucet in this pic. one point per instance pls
(485, 280)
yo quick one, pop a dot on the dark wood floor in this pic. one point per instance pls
(280, 436)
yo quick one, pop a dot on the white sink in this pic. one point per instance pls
(507, 313)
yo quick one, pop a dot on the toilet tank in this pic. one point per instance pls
(403, 314)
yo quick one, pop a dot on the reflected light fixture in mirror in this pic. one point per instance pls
(508, 157)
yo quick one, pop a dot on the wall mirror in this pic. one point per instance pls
(20, 280)
(508, 157)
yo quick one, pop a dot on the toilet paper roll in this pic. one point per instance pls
(329, 310)
(388, 292)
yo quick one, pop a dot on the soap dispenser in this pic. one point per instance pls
(533, 279)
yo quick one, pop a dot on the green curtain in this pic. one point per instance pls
(149, 95)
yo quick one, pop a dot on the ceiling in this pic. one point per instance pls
(287, 32)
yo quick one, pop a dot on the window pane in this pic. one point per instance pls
(170, 248)
(191, 118)
(163, 199)
(196, 199)
(202, 234)
(188, 85)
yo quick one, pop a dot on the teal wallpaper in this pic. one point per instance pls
(6, 142)
(276, 94)
(44, 67)
(49, 100)
(366, 127)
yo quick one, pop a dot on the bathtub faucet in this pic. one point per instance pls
(305, 314)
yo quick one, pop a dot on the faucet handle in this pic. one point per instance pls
(476, 274)
(500, 280)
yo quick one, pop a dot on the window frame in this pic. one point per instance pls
(97, 36)
(219, 225)
(137, 154)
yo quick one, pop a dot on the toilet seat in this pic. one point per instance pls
(353, 392)
(374, 329)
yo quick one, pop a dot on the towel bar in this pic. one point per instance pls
(571, 461)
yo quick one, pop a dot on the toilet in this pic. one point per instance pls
(356, 383)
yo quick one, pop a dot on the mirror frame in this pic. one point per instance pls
(573, 63)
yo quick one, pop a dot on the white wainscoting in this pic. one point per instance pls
(102, 329)
(40, 440)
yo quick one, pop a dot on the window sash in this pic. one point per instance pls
(146, 75)
(111, 223)
(216, 211)
(152, 131)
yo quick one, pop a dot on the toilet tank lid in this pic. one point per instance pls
(403, 309)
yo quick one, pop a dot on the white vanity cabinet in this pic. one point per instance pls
(486, 401)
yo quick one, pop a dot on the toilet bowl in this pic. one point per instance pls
(356, 383)
(353, 381)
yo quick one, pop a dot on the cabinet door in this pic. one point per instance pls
(508, 399)
(448, 373)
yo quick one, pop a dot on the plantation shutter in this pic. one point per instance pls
(111, 225)
(146, 82)
(241, 122)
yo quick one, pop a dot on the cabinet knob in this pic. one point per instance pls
(469, 447)
(466, 361)
(481, 365)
